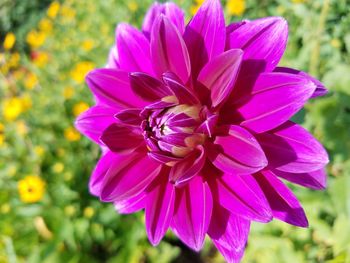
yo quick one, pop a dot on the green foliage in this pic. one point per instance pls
(68, 224)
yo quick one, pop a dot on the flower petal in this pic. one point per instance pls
(184, 170)
(263, 42)
(292, 149)
(128, 176)
(170, 10)
(183, 94)
(193, 209)
(94, 121)
(132, 205)
(168, 50)
(320, 88)
(112, 87)
(129, 117)
(237, 152)
(285, 206)
(315, 180)
(229, 233)
(133, 49)
(275, 98)
(205, 35)
(219, 75)
(147, 87)
(159, 208)
(241, 195)
(113, 58)
(100, 171)
(120, 138)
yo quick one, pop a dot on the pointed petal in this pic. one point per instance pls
(238, 152)
(242, 196)
(132, 205)
(285, 206)
(185, 170)
(320, 88)
(168, 50)
(128, 176)
(121, 138)
(290, 148)
(193, 208)
(129, 117)
(220, 73)
(113, 58)
(112, 87)
(133, 49)
(94, 121)
(184, 95)
(315, 180)
(232, 27)
(100, 171)
(263, 41)
(159, 208)
(229, 234)
(147, 87)
(170, 10)
(275, 98)
(205, 35)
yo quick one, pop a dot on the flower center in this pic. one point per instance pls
(171, 132)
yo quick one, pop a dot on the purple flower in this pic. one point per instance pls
(194, 126)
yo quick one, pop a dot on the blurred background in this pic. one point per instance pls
(46, 211)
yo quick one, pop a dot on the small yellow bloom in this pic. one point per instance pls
(336, 43)
(26, 101)
(36, 38)
(235, 7)
(31, 189)
(10, 40)
(30, 81)
(69, 210)
(5, 208)
(80, 70)
(298, 1)
(79, 108)
(71, 134)
(87, 45)
(41, 59)
(89, 212)
(12, 108)
(68, 13)
(132, 5)
(53, 9)
(58, 167)
(21, 128)
(45, 25)
(68, 92)
(39, 150)
(194, 9)
(14, 60)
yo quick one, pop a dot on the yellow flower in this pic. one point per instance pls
(89, 212)
(79, 108)
(5, 208)
(41, 59)
(71, 134)
(45, 25)
(14, 60)
(298, 1)
(21, 128)
(335, 43)
(80, 70)
(68, 92)
(68, 13)
(58, 167)
(31, 189)
(26, 101)
(53, 9)
(2, 136)
(39, 150)
(87, 45)
(194, 9)
(30, 81)
(69, 210)
(36, 38)
(12, 108)
(132, 5)
(235, 7)
(10, 40)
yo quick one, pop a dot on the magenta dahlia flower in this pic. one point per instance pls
(194, 126)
